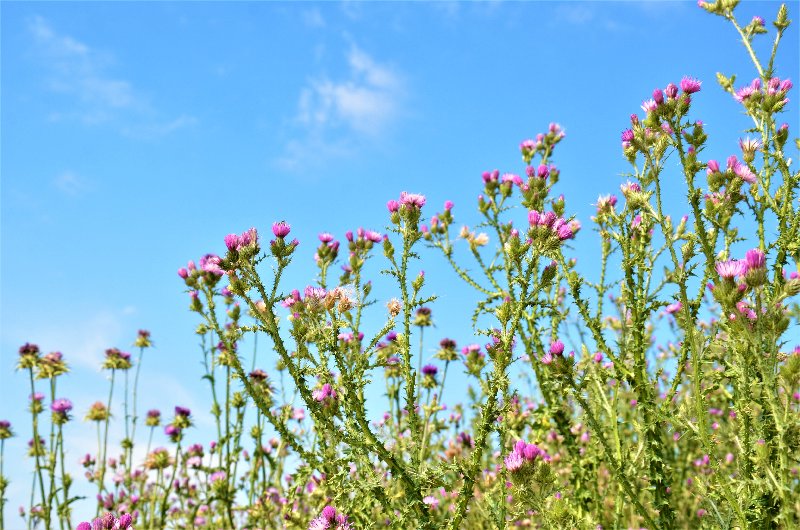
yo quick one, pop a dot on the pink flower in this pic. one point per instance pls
(431, 501)
(743, 172)
(755, 259)
(713, 167)
(673, 308)
(671, 91)
(743, 94)
(649, 105)
(731, 268)
(281, 229)
(61, 406)
(412, 199)
(375, 237)
(514, 461)
(690, 85)
(556, 348)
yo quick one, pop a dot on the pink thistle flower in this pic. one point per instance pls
(542, 171)
(412, 199)
(431, 501)
(690, 85)
(673, 308)
(627, 135)
(731, 268)
(565, 232)
(232, 241)
(649, 105)
(61, 406)
(743, 172)
(393, 205)
(630, 187)
(606, 203)
(755, 259)
(712, 167)
(743, 94)
(326, 237)
(514, 461)
(281, 229)
(671, 91)
(556, 348)
(375, 237)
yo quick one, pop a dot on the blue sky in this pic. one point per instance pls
(136, 135)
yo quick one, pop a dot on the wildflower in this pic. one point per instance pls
(649, 105)
(173, 431)
(630, 187)
(447, 351)
(117, 360)
(756, 263)
(329, 519)
(522, 454)
(749, 146)
(143, 339)
(52, 365)
(60, 409)
(673, 308)
(743, 172)
(153, 418)
(28, 356)
(108, 521)
(731, 268)
(606, 203)
(325, 394)
(393, 206)
(429, 372)
(712, 166)
(412, 199)
(431, 501)
(627, 138)
(690, 85)
(671, 91)
(98, 412)
(557, 348)
(5, 430)
(423, 317)
(182, 417)
(210, 263)
(281, 229)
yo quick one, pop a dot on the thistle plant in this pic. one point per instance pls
(657, 389)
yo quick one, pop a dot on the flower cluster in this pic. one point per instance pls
(108, 521)
(330, 519)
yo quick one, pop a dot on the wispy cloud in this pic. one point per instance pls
(359, 108)
(70, 183)
(82, 342)
(81, 74)
(313, 18)
(586, 14)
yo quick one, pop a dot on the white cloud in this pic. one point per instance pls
(80, 72)
(82, 342)
(360, 107)
(313, 18)
(70, 183)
